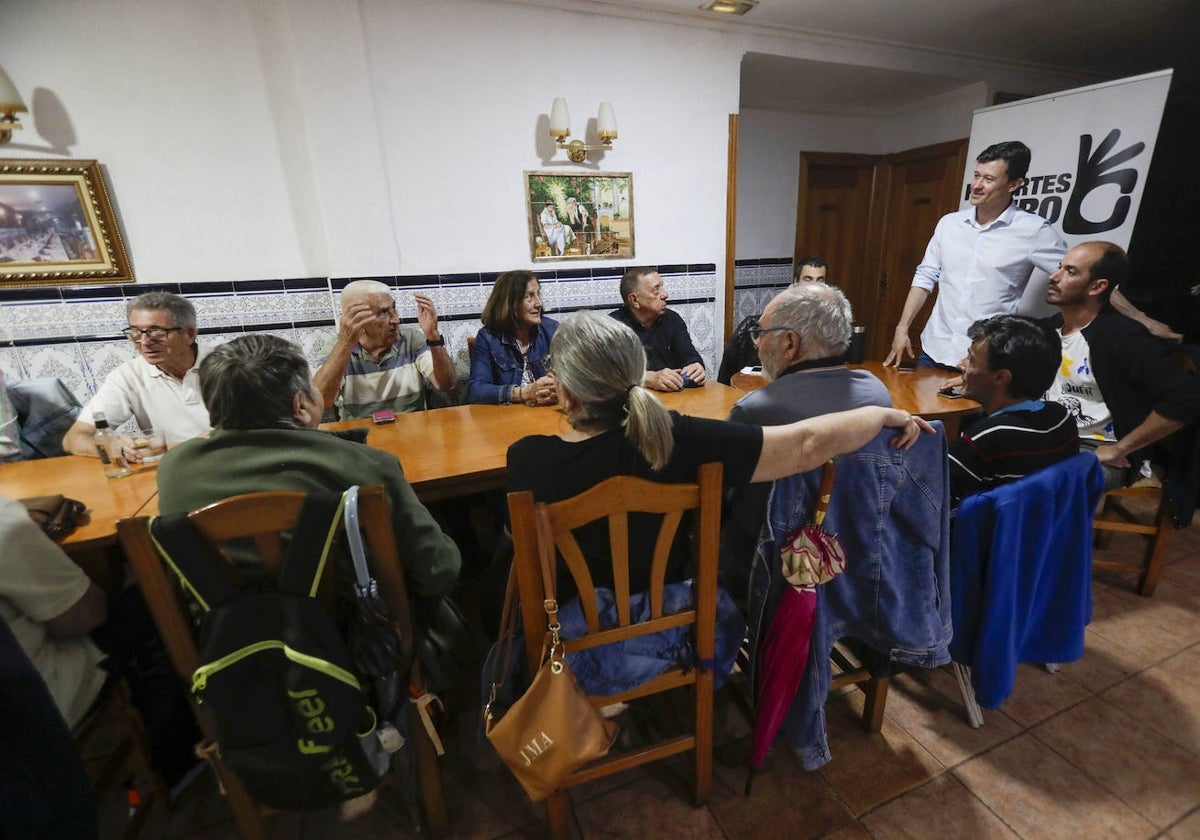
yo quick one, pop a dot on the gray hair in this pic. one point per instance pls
(249, 383)
(820, 315)
(361, 288)
(183, 314)
(602, 363)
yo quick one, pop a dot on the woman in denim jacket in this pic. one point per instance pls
(510, 362)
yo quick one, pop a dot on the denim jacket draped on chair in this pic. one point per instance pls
(891, 509)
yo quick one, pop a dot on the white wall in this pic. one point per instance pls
(253, 139)
(770, 143)
(278, 138)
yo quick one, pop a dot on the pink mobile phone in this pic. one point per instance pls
(385, 416)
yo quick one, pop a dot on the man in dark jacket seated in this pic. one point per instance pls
(1126, 388)
(1010, 364)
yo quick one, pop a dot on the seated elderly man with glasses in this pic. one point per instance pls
(159, 387)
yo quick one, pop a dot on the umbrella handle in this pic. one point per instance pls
(825, 493)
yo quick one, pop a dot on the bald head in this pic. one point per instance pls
(361, 290)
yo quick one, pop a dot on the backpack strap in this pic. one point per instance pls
(312, 538)
(196, 565)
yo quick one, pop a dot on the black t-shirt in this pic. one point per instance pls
(554, 469)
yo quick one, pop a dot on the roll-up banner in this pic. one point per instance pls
(1091, 153)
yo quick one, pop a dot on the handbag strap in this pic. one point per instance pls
(358, 554)
(508, 616)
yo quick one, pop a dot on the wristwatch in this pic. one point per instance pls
(435, 342)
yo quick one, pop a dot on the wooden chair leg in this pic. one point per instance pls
(876, 691)
(429, 777)
(963, 674)
(558, 815)
(1156, 554)
(702, 784)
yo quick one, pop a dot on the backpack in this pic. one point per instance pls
(276, 679)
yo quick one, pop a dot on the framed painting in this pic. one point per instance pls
(579, 217)
(57, 225)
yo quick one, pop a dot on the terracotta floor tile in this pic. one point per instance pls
(645, 808)
(926, 704)
(942, 807)
(870, 768)
(1157, 778)
(1038, 694)
(1186, 829)
(1183, 573)
(1153, 628)
(1040, 795)
(786, 801)
(1185, 665)
(1105, 663)
(853, 831)
(1164, 701)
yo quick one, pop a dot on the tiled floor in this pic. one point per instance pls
(1107, 747)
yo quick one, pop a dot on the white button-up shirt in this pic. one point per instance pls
(140, 390)
(981, 272)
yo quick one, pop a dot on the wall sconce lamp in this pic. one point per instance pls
(10, 104)
(560, 128)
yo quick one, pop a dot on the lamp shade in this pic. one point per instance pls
(10, 100)
(606, 122)
(560, 118)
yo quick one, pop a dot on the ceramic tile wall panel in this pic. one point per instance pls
(10, 364)
(216, 305)
(60, 361)
(71, 333)
(101, 358)
(755, 282)
(259, 302)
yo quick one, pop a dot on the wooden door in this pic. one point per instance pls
(832, 219)
(918, 188)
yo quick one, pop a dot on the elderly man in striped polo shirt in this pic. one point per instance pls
(375, 363)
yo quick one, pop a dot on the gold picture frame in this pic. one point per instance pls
(579, 216)
(57, 225)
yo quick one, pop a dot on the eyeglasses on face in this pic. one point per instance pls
(755, 333)
(155, 333)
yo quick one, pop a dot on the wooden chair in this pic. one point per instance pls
(747, 381)
(129, 756)
(613, 500)
(263, 517)
(1114, 516)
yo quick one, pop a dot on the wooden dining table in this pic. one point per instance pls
(82, 478)
(912, 390)
(446, 453)
(463, 449)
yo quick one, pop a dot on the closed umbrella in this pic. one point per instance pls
(810, 557)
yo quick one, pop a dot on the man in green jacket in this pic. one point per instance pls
(264, 412)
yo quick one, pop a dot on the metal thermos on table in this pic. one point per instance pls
(858, 346)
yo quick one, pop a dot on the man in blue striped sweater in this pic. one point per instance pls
(1010, 364)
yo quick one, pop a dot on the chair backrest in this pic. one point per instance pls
(1020, 573)
(263, 518)
(538, 528)
(548, 527)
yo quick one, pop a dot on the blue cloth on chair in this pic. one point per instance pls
(1021, 573)
(620, 666)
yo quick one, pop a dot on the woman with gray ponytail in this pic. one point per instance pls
(617, 427)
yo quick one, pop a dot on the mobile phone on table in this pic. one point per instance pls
(951, 392)
(385, 416)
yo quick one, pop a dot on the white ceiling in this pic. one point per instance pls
(1104, 39)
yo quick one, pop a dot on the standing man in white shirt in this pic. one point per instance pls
(159, 387)
(981, 259)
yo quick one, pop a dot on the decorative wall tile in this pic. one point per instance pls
(214, 311)
(38, 320)
(62, 361)
(101, 358)
(10, 364)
